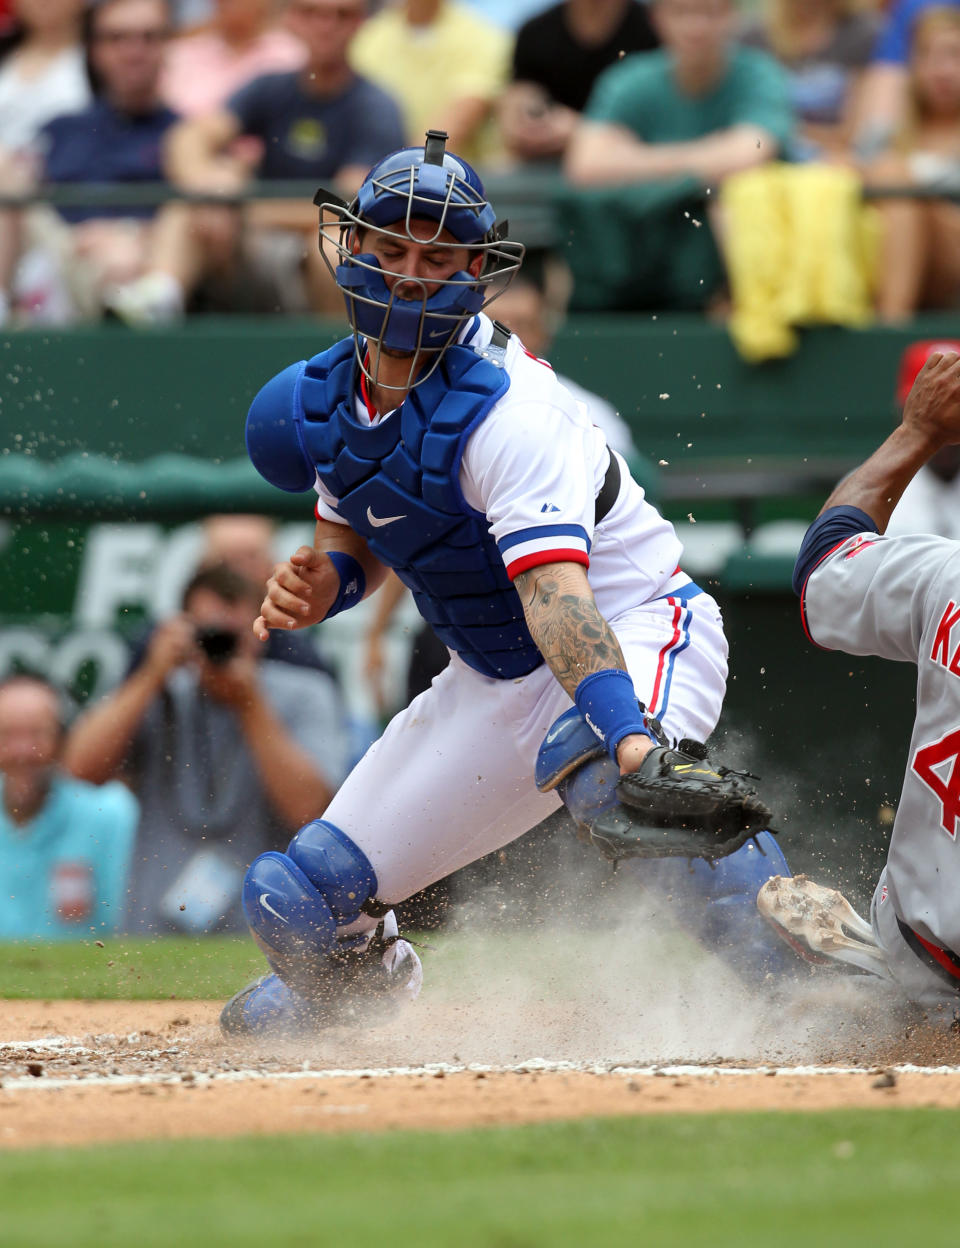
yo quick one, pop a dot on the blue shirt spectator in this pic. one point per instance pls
(65, 846)
(306, 135)
(824, 58)
(66, 267)
(325, 124)
(104, 143)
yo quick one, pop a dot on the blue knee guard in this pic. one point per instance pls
(295, 901)
(340, 870)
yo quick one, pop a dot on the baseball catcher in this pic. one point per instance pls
(437, 446)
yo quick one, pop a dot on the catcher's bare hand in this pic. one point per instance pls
(300, 592)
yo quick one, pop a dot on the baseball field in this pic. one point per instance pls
(548, 1088)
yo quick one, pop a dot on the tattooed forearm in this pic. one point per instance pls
(565, 624)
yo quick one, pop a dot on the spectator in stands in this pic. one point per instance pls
(65, 846)
(228, 752)
(920, 251)
(241, 42)
(445, 65)
(661, 130)
(42, 71)
(931, 502)
(42, 74)
(245, 543)
(558, 56)
(883, 104)
(825, 46)
(117, 138)
(323, 123)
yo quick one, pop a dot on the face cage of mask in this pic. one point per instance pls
(501, 261)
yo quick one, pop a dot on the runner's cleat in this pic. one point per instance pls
(820, 924)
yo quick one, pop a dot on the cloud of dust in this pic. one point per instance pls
(833, 815)
(559, 959)
(607, 977)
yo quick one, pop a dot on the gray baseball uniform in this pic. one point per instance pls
(899, 598)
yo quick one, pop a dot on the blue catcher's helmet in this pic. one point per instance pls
(416, 184)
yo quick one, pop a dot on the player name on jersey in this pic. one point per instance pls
(942, 640)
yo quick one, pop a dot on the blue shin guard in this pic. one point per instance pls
(295, 904)
(288, 918)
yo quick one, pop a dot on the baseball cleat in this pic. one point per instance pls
(820, 924)
(357, 987)
(265, 1007)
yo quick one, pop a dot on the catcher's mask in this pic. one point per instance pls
(423, 184)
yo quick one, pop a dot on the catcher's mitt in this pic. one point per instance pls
(677, 805)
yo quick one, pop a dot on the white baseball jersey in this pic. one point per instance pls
(602, 414)
(899, 598)
(451, 779)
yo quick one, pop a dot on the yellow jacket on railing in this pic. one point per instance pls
(800, 249)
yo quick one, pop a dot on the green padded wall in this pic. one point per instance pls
(133, 395)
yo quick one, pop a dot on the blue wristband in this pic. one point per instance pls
(608, 703)
(353, 583)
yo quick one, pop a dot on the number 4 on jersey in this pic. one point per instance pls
(946, 787)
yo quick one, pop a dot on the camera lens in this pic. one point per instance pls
(218, 644)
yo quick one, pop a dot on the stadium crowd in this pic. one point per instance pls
(635, 116)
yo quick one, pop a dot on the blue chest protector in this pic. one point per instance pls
(397, 485)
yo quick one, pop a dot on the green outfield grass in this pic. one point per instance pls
(846, 1179)
(126, 969)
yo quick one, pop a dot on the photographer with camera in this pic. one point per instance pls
(229, 754)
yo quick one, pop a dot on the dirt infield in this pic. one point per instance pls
(76, 1072)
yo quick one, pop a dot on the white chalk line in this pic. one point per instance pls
(73, 1047)
(200, 1079)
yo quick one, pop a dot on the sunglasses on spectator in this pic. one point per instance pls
(151, 37)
